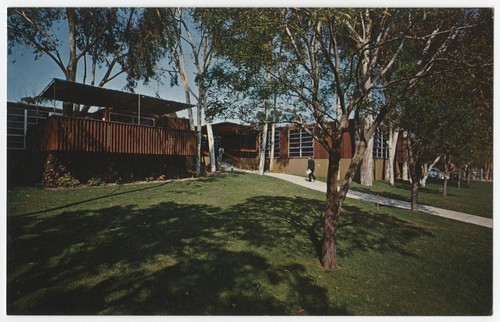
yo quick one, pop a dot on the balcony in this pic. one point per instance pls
(63, 133)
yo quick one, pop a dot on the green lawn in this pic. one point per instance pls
(475, 198)
(235, 244)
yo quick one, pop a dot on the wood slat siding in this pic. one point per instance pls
(77, 134)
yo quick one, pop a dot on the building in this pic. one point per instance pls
(292, 147)
(130, 137)
(240, 144)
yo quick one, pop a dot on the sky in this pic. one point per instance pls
(27, 77)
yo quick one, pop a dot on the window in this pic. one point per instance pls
(300, 143)
(276, 154)
(19, 120)
(380, 148)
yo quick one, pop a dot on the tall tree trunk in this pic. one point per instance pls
(177, 51)
(187, 92)
(210, 134)
(338, 109)
(404, 170)
(414, 174)
(190, 110)
(414, 185)
(397, 170)
(445, 187)
(424, 179)
(332, 214)
(263, 145)
(392, 144)
(71, 67)
(192, 127)
(72, 63)
(334, 200)
(459, 181)
(424, 170)
(366, 171)
(185, 85)
(389, 168)
(198, 154)
(262, 152)
(271, 152)
(446, 175)
(488, 166)
(211, 147)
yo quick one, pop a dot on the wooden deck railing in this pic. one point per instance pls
(78, 134)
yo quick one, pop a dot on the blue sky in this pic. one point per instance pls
(28, 77)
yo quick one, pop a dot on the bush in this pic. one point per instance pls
(95, 182)
(67, 181)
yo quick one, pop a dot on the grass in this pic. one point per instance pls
(475, 198)
(237, 244)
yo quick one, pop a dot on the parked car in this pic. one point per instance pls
(435, 173)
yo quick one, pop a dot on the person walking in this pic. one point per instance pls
(219, 158)
(311, 165)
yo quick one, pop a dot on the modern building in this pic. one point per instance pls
(292, 147)
(130, 137)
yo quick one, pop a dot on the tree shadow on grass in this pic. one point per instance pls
(283, 218)
(174, 258)
(167, 259)
(363, 231)
(280, 219)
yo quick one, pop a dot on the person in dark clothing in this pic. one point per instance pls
(310, 169)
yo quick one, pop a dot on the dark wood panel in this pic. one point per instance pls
(89, 135)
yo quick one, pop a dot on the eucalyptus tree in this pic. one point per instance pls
(249, 96)
(181, 35)
(335, 65)
(393, 132)
(98, 39)
(449, 115)
(447, 120)
(241, 86)
(440, 124)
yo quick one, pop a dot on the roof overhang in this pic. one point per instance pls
(229, 128)
(78, 93)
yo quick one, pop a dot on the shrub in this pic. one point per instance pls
(67, 181)
(95, 182)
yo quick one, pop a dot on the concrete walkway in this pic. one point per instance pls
(321, 186)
